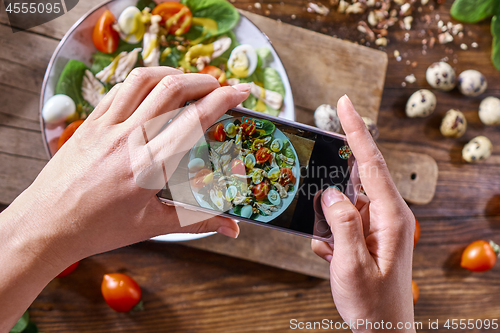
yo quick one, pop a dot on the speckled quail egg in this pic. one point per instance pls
(454, 124)
(231, 193)
(371, 126)
(326, 118)
(276, 145)
(243, 61)
(477, 149)
(274, 197)
(249, 161)
(230, 130)
(441, 75)
(489, 111)
(132, 28)
(472, 83)
(421, 103)
(246, 211)
(58, 108)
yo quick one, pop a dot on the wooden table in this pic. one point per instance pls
(185, 289)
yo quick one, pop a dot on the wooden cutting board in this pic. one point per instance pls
(321, 69)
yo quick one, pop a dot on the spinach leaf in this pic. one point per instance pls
(289, 153)
(472, 11)
(220, 11)
(237, 209)
(264, 56)
(70, 84)
(495, 31)
(267, 127)
(21, 324)
(141, 4)
(172, 60)
(101, 60)
(272, 81)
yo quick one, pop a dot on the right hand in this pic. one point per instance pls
(371, 259)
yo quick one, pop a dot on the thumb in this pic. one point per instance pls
(346, 224)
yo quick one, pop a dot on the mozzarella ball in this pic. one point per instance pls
(454, 124)
(477, 149)
(489, 111)
(441, 75)
(421, 104)
(326, 118)
(472, 83)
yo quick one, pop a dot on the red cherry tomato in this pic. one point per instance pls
(120, 291)
(68, 133)
(415, 291)
(479, 256)
(175, 16)
(249, 129)
(199, 180)
(105, 38)
(238, 167)
(220, 134)
(68, 270)
(286, 176)
(215, 72)
(416, 236)
(261, 190)
(262, 155)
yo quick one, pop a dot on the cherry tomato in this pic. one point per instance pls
(480, 256)
(68, 133)
(219, 134)
(120, 291)
(415, 291)
(201, 179)
(238, 167)
(216, 72)
(68, 270)
(105, 38)
(262, 155)
(261, 190)
(286, 175)
(175, 16)
(416, 236)
(249, 129)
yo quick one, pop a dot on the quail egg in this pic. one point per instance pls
(132, 28)
(230, 130)
(243, 61)
(325, 117)
(58, 108)
(472, 83)
(196, 164)
(231, 193)
(249, 161)
(274, 174)
(441, 75)
(257, 176)
(274, 197)
(421, 103)
(371, 126)
(454, 124)
(276, 145)
(489, 111)
(246, 211)
(477, 149)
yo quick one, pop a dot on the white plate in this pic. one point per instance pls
(77, 44)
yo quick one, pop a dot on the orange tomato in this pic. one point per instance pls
(68, 270)
(120, 291)
(261, 190)
(68, 133)
(249, 129)
(198, 180)
(416, 236)
(215, 72)
(219, 133)
(480, 256)
(175, 16)
(415, 291)
(105, 38)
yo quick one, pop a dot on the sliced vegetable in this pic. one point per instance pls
(261, 190)
(263, 155)
(120, 292)
(176, 17)
(238, 167)
(68, 133)
(286, 176)
(105, 38)
(480, 256)
(202, 178)
(249, 128)
(215, 72)
(416, 236)
(415, 291)
(68, 270)
(219, 133)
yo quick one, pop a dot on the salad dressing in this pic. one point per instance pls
(200, 50)
(174, 20)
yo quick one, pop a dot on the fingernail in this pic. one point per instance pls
(328, 257)
(348, 100)
(242, 87)
(227, 232)
(332, 195)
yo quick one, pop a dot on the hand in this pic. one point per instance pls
(371, 259)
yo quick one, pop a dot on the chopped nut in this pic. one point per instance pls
(414, 64)
(394, 13)
(424, 2)
(460, 34)
(403, 84)
(370, 3)
(181, 48)
(355, 8)
(407, 37)
(407, 22)
(364, 28)
(449, 25)
(293, 16)
(463, 46)
(474, 45)
(445, 38)
(319, 9)
(399, 2)
(432, 41)
(381, 32)
(267, 12)
(396, 53)
(269, 6)
(257, 5)
(405, 9)
(382, 41)
(457, 28)
(343, 5)
(410, 78)
(372, 19)
(440, 24)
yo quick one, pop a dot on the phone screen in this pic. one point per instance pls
(264, 170)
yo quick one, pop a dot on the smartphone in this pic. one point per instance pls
(264, 170)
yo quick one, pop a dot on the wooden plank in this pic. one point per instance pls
(21, 142)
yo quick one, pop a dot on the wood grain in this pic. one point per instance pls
(189, 290)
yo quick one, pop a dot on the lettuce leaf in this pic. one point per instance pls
(495, 49)
(70, 84)
(172, 60)
(220, 11)
(141, 4)
(272, 81)
(472, 11)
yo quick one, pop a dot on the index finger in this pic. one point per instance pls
(375, 177)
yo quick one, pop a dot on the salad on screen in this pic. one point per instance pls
(194, 36)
